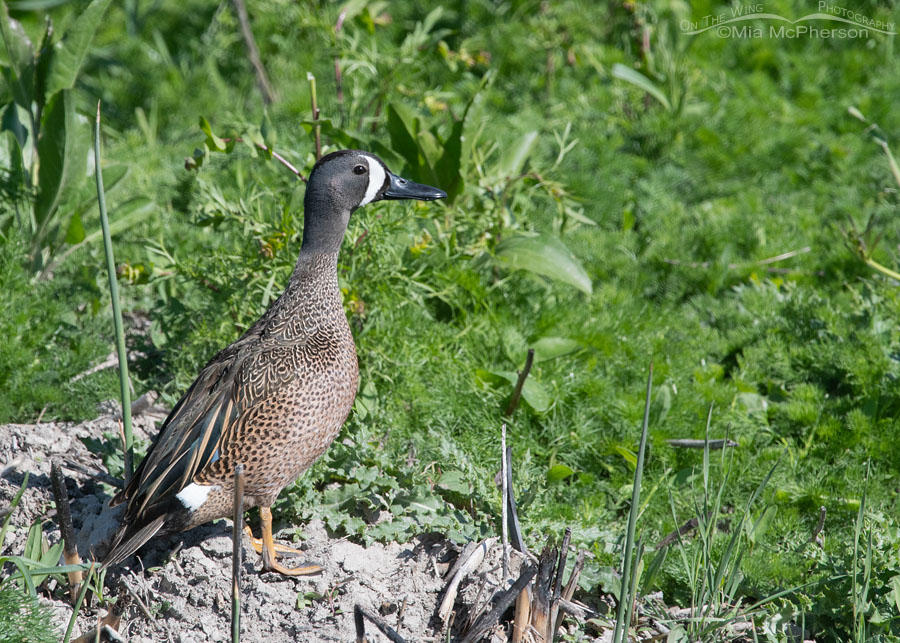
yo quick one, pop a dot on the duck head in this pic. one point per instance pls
(346, 180)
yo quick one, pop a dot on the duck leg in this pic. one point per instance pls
(269, 548)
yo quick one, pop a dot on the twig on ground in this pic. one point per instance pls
(517, 392)
(820, 525)
(575, 609)
(687, 527)
(569, 590)
(102, 476)
(462, 558)
(506, 599)
(737, 266)
(265, 87)
(11, 465)
(361, 613)
(140, 603)
(557, 585)
(714, 445)
(109, 624)
(64, 516)
(469, 565)
(275, 155)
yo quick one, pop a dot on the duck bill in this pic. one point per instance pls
(401, 188)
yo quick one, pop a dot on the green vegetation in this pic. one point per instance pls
(620, 192)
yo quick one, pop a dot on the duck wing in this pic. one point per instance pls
(191, 438)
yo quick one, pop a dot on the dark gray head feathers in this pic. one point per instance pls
(342, 181)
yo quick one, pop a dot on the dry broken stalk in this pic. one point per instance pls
(338, 77)
(109, 622)
(486, 622)
(265, 87)
(517, 392)
(361, 613)
(70, 550)
(557, 585)
(473, 559)
(540, 606)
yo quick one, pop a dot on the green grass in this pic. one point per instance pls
(797, 358)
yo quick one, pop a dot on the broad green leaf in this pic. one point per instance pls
(366, 401)
(532, 391)
(448, 168)
(212, 141)
(267, 130)
(11, 160)
(15, 119)
(640, 81)
(544, 255)
(20, 52)
(418, 148)
(431, 152)
(551, 347)
(33, 542)
(36, 5)
(579, 216)
(895, 590)
(455, 481)
(62, 151)
(559, 472)
(401, 128)
(514, 345)
(69, 53)
(513, 158)
(628, 454)
(75, 233)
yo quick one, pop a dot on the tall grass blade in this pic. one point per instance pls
(860, 591)
(12, 507)
(77, 607)
(626, 594)
(124, 387)
(236, 553)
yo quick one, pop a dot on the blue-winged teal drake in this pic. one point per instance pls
(277, 397)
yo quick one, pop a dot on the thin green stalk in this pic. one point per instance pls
(12, 508)
(236, 553)
(124, 387)
(625, 595)
(78, 602)
(315, 113)
(860, 590)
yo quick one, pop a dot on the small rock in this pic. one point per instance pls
(217, 546)
(177, 609)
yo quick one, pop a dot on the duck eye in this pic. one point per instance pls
(359, 169)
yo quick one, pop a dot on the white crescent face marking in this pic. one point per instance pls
(194, 495)
(376, 180)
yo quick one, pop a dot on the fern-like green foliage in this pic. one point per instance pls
(23, 619)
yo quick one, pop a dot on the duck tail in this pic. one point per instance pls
(126, 542)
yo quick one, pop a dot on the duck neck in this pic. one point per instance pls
(315, 278)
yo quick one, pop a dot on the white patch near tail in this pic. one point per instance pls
(194, 495)
(376, 180)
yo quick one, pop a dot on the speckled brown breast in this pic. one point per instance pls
(295, 390)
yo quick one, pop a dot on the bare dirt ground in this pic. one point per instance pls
(180, 587)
